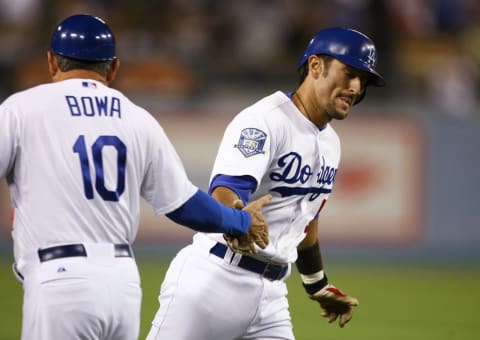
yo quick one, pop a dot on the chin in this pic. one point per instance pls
(338, 114)
(340, 110)
(341, 116)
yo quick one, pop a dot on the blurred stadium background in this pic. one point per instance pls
(402, 230)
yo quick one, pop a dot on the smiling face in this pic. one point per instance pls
(331, 88)
(339, 87)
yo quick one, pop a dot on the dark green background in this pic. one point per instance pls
(397, 301)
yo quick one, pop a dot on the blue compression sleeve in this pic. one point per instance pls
(203, 213)
(243, 186)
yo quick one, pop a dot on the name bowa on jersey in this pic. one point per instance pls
(93, 106)
(292, 170)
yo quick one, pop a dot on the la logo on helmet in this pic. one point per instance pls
(372, 56)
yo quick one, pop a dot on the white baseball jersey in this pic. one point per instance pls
(296, 162)
(291, 158)
(77, 156)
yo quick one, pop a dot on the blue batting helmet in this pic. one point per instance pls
(84, 37)
(350, 47)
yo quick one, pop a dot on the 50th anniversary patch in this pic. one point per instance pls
(251, 142)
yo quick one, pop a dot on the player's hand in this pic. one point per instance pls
(335, 304)
(240, 244)
(258, 232)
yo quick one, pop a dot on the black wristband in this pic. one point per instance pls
(312, 288)
(309, 260)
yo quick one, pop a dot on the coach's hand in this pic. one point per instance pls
(335, 304)
(258, 233)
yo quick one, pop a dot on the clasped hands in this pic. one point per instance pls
(258, 232)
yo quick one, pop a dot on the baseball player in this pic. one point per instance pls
(77, 156)
(283, 145)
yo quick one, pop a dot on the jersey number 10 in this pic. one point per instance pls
(97, 147)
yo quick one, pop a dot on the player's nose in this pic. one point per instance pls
(356, 85)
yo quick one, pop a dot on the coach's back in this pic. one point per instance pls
(84, 151)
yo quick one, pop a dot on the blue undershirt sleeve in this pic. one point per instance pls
(243, 186)
(203, 213)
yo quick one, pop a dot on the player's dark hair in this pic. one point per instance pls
(303, 71)
(68, 64)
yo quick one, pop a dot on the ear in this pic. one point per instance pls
(315, 66)
(112, 73)
(52, 65)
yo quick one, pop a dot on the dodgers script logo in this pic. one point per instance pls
(251, 142)
(292, 170)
